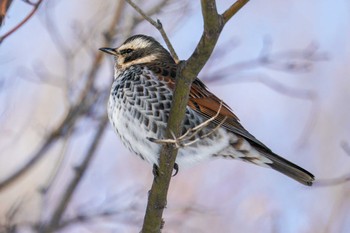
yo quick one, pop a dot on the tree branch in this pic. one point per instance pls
(85, 100)
(55, 221)
(234, 8)
(4, 6)
(338, 180)
(157, 25)
(79, 172)
(60, 130)
(35, 8)
(187, 72)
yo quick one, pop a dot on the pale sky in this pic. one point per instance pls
(225, 195)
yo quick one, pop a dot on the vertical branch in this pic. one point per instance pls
(79, 172)
(187, 72)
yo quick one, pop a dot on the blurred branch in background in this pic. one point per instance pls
(86, 98)
(54, 223)
(81, 107)
(338, 180)
(90, 89)
(3, 10)
(292, 61)
(83, 115)
(4, 6)
(296, 61)
(346, 147)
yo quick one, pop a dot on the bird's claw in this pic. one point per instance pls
(155, 170)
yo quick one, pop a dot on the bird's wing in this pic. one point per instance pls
(207, 105)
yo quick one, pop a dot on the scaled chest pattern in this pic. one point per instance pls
(138, 109)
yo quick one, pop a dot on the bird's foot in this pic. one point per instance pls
(155, 170)
(176, 168)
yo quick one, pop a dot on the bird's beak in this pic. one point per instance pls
(109, 51)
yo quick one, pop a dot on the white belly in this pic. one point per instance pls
(134, 134)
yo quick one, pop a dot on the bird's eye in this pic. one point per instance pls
(126, 51)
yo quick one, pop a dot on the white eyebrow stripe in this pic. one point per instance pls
(137, 43)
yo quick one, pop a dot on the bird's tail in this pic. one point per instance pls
(290, 169)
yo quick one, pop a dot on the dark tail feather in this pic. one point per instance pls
(290, 169)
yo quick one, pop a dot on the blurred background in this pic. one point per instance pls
(282, 66)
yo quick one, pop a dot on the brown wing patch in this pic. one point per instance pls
(206, 102)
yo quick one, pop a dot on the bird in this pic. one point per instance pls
(139, 107)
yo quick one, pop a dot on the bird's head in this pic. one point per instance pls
(138, 49)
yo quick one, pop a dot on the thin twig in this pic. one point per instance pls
(331, 182)
(29, 2)
(35, 8)
(346, 147)
(54, 223)
(234, 8)
(193, 132)
(35, 158)
(281, 61)
(58, 163)
(339, 180)
(79, 172)
(56, 134)
(82, 104)
(157, 25)
(81, 218)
